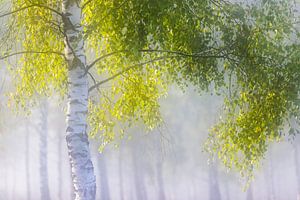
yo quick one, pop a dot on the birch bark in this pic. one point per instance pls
(77, 140)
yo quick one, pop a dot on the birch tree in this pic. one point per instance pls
(130, 51)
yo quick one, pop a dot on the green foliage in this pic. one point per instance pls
(182, 31)
(176, 37)
(42, 69)
(263, 84)
(130, 99)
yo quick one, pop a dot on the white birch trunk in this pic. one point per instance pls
(44, 187)
(77, 140)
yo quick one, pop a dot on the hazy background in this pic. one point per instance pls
(169, 163)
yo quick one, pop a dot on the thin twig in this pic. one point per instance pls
(30, 6)
(32, 52)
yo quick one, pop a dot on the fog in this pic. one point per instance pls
(167, 163)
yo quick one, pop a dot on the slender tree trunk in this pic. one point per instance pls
(27, 164)
(214, 190)
(77, 140)
(296, 155)
(44, 187)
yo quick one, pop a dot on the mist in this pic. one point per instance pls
(168, 163)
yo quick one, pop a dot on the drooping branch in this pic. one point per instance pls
(127, 69)
(101, 58)
(32, 52)
(30, 6)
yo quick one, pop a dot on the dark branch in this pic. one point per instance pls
(85, 4)
(100, 58)
(30, 6)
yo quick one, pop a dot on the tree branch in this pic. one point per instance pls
(88, 67)
(32, 52)
(127, 69)
(30, 6)
(85, 4)
(143, 51)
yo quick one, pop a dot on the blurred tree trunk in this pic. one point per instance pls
(27, 163)
(227, 192)
(13, 193)
(44, 187)
(140, 189)
(159, 168)
(160, 181)
(120, 167)
(249, 193)
(102, 176)
(270, 178)
(214, 190)
(59, 166)
(296, 156)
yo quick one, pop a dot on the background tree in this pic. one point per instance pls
(43, 134)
